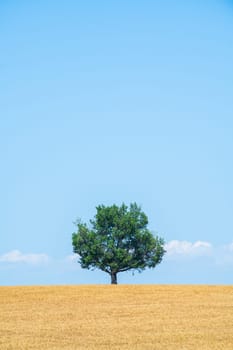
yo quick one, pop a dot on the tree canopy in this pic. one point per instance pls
(117, 240)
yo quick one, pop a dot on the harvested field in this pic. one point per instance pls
(116, 317)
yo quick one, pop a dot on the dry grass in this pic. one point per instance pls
(116, 317)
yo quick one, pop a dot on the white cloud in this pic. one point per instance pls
(224, 255)
(186, 248)
(15, 256)
(221, 255)
(72, 258)
(229, 247)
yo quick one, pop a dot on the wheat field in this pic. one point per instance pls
(116, 317)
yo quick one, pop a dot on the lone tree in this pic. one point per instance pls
(118, 240)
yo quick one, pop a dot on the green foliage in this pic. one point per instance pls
(118, 240)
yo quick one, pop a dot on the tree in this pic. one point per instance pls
(117, 240)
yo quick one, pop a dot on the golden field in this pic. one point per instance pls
(116, 317)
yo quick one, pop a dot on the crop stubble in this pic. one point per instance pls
(144, 317)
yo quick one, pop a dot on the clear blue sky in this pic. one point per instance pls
(110, 102)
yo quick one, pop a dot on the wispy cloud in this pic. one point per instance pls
(229, 247)
(15, 256)
(186, 248)
(224, 255)
(72, 258)
(219, 255)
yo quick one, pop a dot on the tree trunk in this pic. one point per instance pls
(113, 278)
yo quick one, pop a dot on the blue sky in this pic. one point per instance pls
(109, 102)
